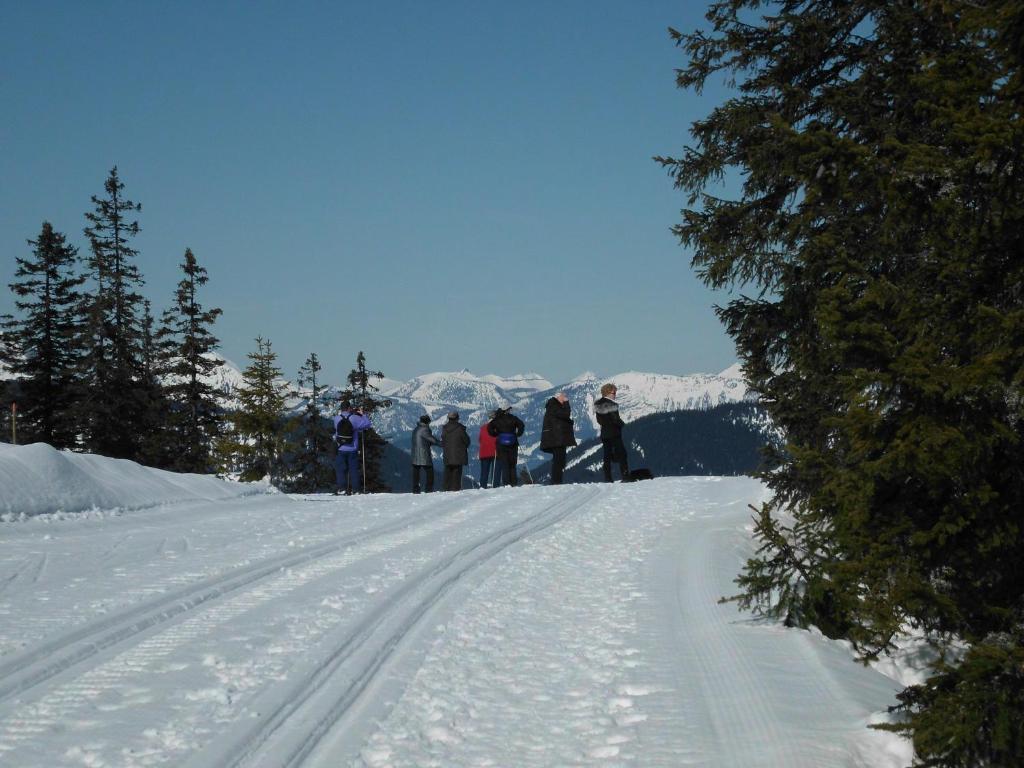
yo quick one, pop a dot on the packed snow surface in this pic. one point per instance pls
(531, 626)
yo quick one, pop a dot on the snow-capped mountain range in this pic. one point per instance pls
(476, 396)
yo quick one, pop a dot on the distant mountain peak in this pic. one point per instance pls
(734, 371)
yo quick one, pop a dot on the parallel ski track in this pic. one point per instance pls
(23, 671)
(319, 698)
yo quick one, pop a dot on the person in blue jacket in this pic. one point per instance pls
(347, 427)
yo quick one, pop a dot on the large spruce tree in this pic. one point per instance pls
(115, 393)
(186, 347)
(875, 239)
(361, 393)
(39, 347)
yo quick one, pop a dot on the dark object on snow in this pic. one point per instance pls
(641, 474)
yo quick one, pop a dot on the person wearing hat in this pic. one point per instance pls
(422, 441)
(488, 446)
(455, 444)
(507, 428)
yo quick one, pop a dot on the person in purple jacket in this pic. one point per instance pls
(347, 426)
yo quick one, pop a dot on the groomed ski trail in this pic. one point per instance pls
(520, 627)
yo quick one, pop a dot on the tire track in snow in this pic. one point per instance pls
(288, 722)
(31, 569)
(20, 672)
(59, 704)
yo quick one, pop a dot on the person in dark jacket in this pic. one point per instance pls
(557, 434)
(422, 440)
(455, 444)
(608, 417)
(508, 428)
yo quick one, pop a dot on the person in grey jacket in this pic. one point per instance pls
(422, 440)
(455, 443)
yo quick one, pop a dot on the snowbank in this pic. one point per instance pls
(37, 480)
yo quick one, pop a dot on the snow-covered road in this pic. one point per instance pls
(513, 627)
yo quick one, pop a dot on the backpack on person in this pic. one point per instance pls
(345, 433)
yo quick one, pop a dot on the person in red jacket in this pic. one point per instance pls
(488, 447)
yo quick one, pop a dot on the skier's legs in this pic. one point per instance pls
(485, 470)
(608, 456)
(513, 460)
(557, 465)
(620, 454)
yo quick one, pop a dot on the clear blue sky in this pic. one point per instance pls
(440, 184)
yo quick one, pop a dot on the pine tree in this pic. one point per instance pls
(312, 457)
(186, 345)
(115, 394)
(258, 440)
(876, 239)
(360, 393)
(39, 348)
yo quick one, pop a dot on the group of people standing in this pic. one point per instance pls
(498, 444)
(498, 453)
(498, 441)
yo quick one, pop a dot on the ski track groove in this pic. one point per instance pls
(255, 744)
(20, 672)
(728, 718)
(58, 704)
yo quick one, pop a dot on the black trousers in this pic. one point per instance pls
(453, 477)
(416, 478)
(614, 450)
(508, 457)
(557, 464)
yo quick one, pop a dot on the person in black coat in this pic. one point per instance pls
(422, 441)
(507, 428)
(608, 417)
(455, 444)
(557, 434)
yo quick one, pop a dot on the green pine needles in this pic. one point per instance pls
(875, 244)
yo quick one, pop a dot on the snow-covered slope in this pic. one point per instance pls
(525, 627)
(36, 479)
